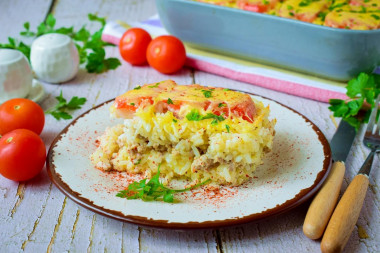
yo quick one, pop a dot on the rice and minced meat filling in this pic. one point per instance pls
(222, 137)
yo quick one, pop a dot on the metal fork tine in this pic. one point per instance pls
(371, 139)
(372, 119)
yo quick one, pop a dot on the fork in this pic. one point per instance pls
(347, 211)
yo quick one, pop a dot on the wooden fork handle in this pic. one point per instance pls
(345, 216)
(324, 203)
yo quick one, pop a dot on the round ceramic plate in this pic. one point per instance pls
(291, 173)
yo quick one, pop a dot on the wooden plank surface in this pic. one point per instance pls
(35, 216)
(16, 12)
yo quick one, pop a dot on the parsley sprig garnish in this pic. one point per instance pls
(153, 190)
(154, 86)
(362, 92)
(21, 46)
(63, 108)
(338, 5)
(207, 93)
(90, 46)
(194, 115)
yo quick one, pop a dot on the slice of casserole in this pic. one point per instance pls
(193, 132)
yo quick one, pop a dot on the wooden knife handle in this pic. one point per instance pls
(324, 203)
(345, 216)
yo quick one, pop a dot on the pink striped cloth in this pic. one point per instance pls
(268, 77)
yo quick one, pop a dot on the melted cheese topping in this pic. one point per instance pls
(302, 10)
(182, 99)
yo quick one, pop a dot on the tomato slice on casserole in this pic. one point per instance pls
(181, 99)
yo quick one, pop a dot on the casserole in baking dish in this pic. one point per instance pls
(337, 54)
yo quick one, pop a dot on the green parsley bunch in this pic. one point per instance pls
(90, 46)
(63, 108)
(362, 91)
(153, 190)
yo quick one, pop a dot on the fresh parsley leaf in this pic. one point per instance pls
(62, 109)
(13, 44)
(193, 115)
(111, 63)
(362, 91)
(75, 103)
(207, 93)
(153, 190)
(339, 107)
(82, 35)
(27, 32)
(97, 62)
(170, 102)
(356, 85)
(214, 122)
(304, 3)
(168, 197)
(50, 21)
(213, 116)
(175, 121)
(226, 89)
(137, 87)
(93, 17)
(137, 162)
(69, 31)
(228, 128)
(221, 105)
(133, 104)
(363, 9)
(353, 122)
(334, 6)
(322, 15)
(154, 86)
(12, 41)
(61, 115)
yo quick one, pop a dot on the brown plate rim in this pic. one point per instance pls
(298, 199)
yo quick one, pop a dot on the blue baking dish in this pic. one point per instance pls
(331, 53)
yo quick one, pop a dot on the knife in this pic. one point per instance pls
(323, 204)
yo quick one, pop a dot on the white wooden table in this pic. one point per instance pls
(36, 217)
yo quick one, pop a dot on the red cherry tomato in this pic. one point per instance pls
(21, 113)
(22, 155)
(133, 46)
(166, 54)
